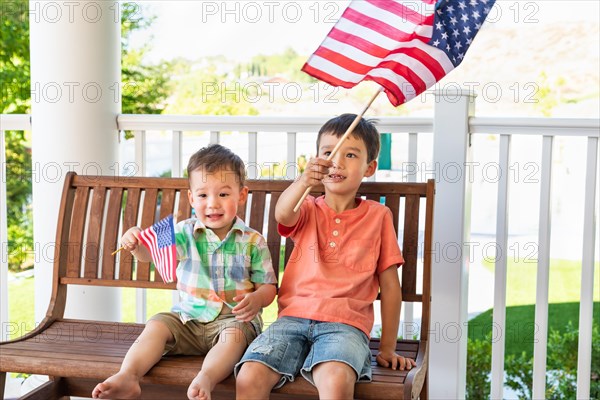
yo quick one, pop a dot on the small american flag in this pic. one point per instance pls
(159, 239)
(406, 46)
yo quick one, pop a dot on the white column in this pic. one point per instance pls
(451, 228)
(75, 81)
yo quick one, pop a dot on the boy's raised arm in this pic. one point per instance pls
(315, 171)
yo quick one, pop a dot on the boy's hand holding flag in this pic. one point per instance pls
(405, 46)
(159, 239)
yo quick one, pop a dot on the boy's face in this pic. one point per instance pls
(350, 164)
(215, 197)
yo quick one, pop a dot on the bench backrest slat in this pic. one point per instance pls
(76, 231)
(410, 244)
(148, 219)
(257, 211)
(111, 232)
(94, 230)
(130, 217)
(97, 210)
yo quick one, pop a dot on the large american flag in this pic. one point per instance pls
(159, 239)
(406, 46)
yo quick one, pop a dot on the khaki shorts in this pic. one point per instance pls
(197, 338)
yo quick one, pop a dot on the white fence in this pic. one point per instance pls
(505, 129)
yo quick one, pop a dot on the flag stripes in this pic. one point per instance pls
(390, 42)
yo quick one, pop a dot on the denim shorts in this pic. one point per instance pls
(291, 345)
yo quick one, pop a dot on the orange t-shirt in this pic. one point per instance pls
(333, 272)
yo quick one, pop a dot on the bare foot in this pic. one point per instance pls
(200, 388)
(118, 386)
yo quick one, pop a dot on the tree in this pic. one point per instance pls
(145, 90)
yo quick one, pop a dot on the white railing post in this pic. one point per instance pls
(139, 138)
(252, 167)
(176, 168)
(451, 230)
(586, 306)
(291, 173)
(4, 243)
(540, 345)
(499, 318)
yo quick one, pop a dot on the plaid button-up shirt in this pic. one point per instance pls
(212, 272)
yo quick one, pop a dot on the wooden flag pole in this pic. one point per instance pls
(341, 141)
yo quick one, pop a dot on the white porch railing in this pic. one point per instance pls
(505, 128)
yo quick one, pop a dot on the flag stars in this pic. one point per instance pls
(458, 45)
(462, 5)
(466, 30)
(464, 18)
(455, 33)
(476, 14)
(445, 35)
(438, 25)
(450, 9)
(453, 21)
(436, 43)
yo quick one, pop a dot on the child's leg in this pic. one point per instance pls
(255, 381)
(218, 363)
(339, 356)
(334, 380)
(141, 356)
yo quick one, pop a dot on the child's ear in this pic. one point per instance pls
(190, 198)
(371, 168)
(243, 195)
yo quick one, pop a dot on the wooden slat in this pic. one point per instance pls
(92, 245)
(148, 218)
(273, 237)
(118, 283)
(76, 232)
(184, 209)
(167, 204)
(47, 391)
(373, 196)
(427, 249)
(392, 201)
(261, 185)
(257, 211)
(130, 216)
(410, 245)
(111, 232)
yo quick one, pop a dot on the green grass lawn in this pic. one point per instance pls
(520, 332)
(564, 288)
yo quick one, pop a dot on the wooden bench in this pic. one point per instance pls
(94, 210)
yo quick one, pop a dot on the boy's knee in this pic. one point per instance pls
(255, 375)
(330, 378)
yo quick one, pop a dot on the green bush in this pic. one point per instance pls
(479, 361)
(561, 380)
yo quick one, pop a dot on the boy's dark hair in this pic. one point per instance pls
(364, 130)
(215, 157)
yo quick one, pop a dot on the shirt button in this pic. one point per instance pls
(331, 244)
(337, 220)
(335, 233)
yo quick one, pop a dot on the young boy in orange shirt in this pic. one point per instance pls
(345, 252)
